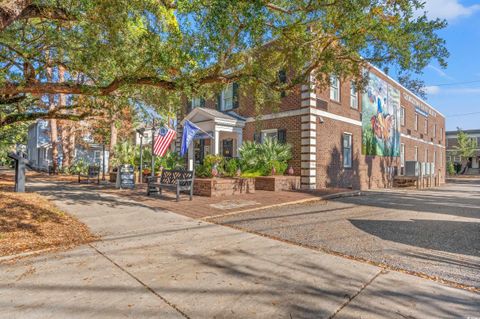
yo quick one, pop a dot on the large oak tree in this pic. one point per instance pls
(153, 51)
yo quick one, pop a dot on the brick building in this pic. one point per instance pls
(473, 162)
(325, 130)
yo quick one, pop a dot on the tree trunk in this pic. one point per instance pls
(53, 124)
(113, 142)
(11, 10)
(66, 127)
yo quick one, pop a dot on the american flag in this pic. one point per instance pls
(163, 140)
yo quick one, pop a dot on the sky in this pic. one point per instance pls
(455, 91)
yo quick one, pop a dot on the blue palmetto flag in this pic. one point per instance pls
(189, 131)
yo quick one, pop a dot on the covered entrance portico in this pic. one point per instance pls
(225, 134)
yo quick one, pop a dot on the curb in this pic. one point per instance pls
(296, 202)
(10, 257)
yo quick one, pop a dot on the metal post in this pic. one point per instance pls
(103, 161)
(153, 155)
(140, 178)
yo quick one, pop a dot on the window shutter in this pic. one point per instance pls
(235, 95)
(219, 101)
(202, 102)
(257, 137)
(282, 136)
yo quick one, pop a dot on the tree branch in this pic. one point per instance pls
(13, 10)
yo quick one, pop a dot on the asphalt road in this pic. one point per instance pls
(434, 232)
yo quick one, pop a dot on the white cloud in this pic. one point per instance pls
(449, 9)
(440, 72)
(432, 90)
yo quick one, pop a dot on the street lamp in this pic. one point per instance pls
(141, 131)
(153, 153)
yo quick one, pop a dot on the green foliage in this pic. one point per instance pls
(152, 53)
(10, 136)
(231, 167)
(79, 167)
(125, 153)
(466, 145)
(171, 160)
(210, 161)
(450, 168)
(263, 157)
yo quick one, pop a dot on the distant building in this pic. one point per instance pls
(473, 161)
(39, 148)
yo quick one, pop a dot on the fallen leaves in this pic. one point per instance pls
(29, 222)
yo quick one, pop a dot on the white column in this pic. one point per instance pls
(191, 156)
(239, 141)
(216, 142)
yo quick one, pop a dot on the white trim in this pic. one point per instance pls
(420, 140)
(336, 117)
(410, 92)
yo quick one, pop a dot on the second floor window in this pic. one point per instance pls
(416, 122)
(334, 88)
(402, 116)
(353, 96)
(434, 130)
(196, 102)
(426, 127)
(228, 98)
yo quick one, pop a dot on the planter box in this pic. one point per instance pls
(217, 187)
(277, 183)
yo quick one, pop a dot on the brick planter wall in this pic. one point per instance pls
(217, 187)
(277, 183)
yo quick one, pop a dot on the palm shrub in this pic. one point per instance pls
(125, 153)
(263, 157)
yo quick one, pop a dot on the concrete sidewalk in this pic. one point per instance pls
(156, 264)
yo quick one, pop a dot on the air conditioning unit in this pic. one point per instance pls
(412, 168)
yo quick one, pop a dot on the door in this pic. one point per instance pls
(199, 153)
(227, 148)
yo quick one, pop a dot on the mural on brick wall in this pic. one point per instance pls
(380, 118)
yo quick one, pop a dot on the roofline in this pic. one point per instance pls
(396, 82)
(465, 131)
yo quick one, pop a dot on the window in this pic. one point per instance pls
(426, 156)
(227, 98)
(434, 157)
(347, 150)
(334, 88)
(441, 134)
(434, 130)
(416, 122)
(425, 130)
(273, 134)
(196, 102)
(402, 155)
(353, 96)
(402, 116)
(416, 154)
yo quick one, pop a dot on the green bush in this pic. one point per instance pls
(231, 167)
(263, 157)
(450, 168)
(78, 167)
(205, 169)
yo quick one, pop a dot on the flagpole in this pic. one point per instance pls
(202, 130)
(153, 153)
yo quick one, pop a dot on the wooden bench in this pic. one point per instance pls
(93, 172)
(175, 180)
